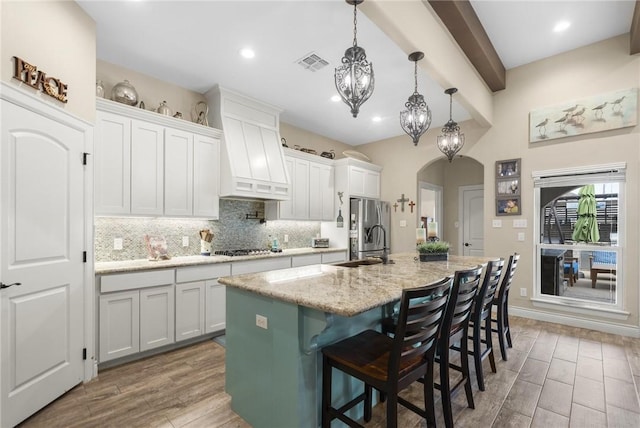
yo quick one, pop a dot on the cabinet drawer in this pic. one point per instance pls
(262, 265)
(306, 260)
(338, 256)
(201, 273)
(129, 281)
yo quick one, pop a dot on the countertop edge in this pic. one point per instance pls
(105, 268)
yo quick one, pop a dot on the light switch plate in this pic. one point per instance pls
(185, 241)
(520, 236)
(520, 224)
(496, 223)
(403, 223)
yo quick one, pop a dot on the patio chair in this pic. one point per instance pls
(601, 262)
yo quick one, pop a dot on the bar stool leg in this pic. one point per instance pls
(326, 393)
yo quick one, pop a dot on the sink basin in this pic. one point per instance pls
(359, 262)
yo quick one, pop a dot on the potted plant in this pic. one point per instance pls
(433, 251)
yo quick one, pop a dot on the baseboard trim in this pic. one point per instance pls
(573, 321)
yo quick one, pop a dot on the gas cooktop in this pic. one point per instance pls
(243, 252)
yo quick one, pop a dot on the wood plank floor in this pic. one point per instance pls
(555, 376)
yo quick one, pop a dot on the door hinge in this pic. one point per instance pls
(84, 158)
(84, 257)
(84, 353)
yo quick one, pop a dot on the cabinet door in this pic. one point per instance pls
(321, 192)
(157, 309)
(300, 183)
(190, 306)
(356, 181)
(216, 313)
(112, 164)
(178, 173)
(286, 207)
(206, 177)
(119, 324)
(372, 184)
(146, 168)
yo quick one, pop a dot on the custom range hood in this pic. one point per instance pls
(252, 161)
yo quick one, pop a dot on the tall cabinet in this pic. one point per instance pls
(154, 165)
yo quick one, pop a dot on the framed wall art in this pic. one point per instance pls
(508, 196)
(604, 112)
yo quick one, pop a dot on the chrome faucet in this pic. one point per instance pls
(385, 255)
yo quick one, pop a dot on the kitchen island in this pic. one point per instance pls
(278, 321)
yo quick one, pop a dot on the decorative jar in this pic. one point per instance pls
(125, 93)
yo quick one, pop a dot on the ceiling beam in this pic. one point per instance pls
(634, 33)
(465, 27)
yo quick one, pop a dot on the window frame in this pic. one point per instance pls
(579, 176)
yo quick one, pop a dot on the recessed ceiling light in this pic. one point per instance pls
(335, 98)
(561, 26)
(376, 118)
(247, 53)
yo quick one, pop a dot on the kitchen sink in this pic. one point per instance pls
(359, 262)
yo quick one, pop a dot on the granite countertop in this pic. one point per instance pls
(350, 291)
(102, 268)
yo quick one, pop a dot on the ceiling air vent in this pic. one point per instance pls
(312, 62)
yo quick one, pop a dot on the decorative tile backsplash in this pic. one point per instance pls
(232, 231)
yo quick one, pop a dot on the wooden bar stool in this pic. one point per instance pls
(480, 320)
(388, 364)
(455, 328)
(501, 301)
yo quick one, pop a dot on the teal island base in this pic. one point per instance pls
(274, 374)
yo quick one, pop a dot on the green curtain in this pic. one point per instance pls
(586, 228)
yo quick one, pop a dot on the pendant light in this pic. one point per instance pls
(354, 78)
(416, 119)
(451, 140)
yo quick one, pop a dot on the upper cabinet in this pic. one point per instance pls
(312, 189)
(154, 165)
(358, 178)
(252, 162)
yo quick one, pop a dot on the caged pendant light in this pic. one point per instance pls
(354, 78)
(451, 140)
(416, 119)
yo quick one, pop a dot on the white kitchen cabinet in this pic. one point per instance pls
(190, 310)
(157, 312)
(119, 324)
(312, 189)
(357, 178)
(178, 173)
(321, 189)
(147, 159)
(149, 164)
(216, 310)
(136, 312)
(215, 293)
(260, 265)
(306, 260)
(206, 177)
(112, 164)
(338, 256)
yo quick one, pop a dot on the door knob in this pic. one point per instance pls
(466, 244)
(3, 285)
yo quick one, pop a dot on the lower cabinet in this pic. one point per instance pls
(119, 324)
(190, 307)
(156, 317)
(216, 312)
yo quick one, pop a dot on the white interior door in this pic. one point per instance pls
(473, 221)
(41, 245)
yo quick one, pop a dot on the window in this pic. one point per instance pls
(579, 221)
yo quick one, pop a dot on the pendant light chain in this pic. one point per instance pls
(355, 25)
(415, 76)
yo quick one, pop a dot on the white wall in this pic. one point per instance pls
(58, 38)
(596, 69)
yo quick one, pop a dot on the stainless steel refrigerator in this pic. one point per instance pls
(365, 239)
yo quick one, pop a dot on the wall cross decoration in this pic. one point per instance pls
(402, 201)
(411, 205)
(395, 208)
